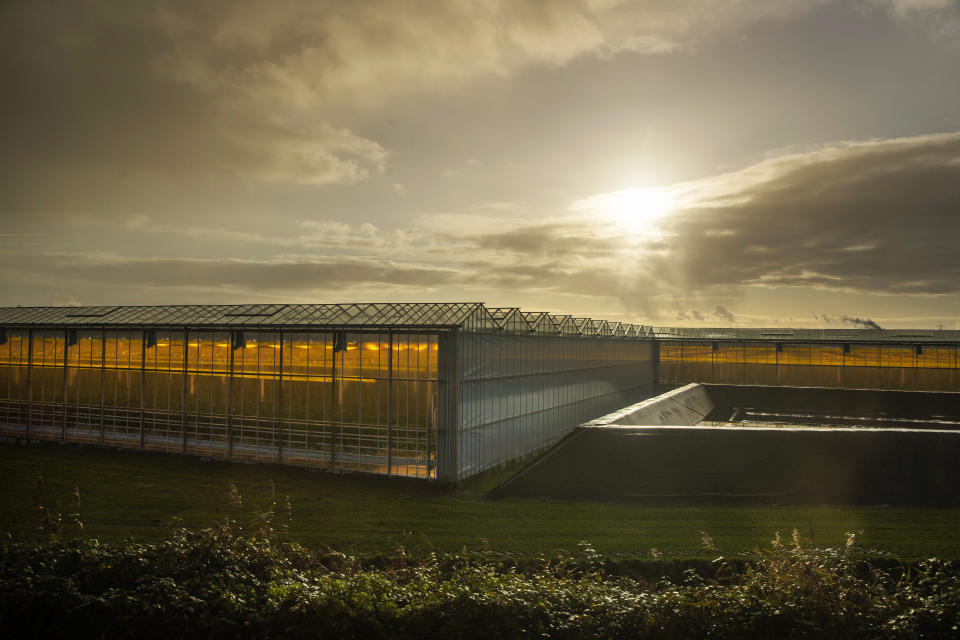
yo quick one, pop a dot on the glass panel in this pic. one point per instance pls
(321, 354)
(13, 384)
(350, 358)
(296, 354)
(220, 352)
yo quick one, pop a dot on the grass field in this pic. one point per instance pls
(128, 494)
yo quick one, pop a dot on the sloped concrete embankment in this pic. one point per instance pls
(612, 461)
(687, 405)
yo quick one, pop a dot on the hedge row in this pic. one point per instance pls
(220, 583)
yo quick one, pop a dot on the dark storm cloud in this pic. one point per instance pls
(879, 216)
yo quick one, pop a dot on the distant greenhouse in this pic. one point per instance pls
(440, 391)
(891, 359)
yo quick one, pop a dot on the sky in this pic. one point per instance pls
(665, 162)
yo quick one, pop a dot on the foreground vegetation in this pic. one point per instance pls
(228, 582)
(128, 494)
(251, 575)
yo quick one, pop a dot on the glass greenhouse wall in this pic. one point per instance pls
(428, 391)
(520, 394)
(916, 361)
(266, 396)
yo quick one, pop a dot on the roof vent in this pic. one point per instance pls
(245, 310)
(89, 312)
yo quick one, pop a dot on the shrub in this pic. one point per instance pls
(219, 582)
(237, 580)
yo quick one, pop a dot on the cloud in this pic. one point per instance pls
(110, 106)
(320, 156)
(875, 216)
(555, 240)
(282, 276)
(940, 17)
(523, 244)
(66, 300)
(364, 238)
(693, 314)
(722, 313)
(559, 258)
(307, 52)
(94, 124)
(591, 281)
(254, 276)
(903, 8)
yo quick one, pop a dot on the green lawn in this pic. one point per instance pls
(128, 494)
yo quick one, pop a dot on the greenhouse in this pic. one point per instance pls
(441, 391)
(894, 359)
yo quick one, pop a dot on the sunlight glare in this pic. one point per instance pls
(638, 209)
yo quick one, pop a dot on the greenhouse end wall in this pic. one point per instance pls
(518, 394)
(441, 404)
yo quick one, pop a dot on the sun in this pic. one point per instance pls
(638, 209)
(634, 211)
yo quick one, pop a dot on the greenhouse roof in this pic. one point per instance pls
(468, 316)
(808, 335)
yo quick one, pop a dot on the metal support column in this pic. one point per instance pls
(334, 405)
(229, 411)
(655, 363)
(390, 404)
(63, 389)
(103, 377)
(278, 410)
(183, 394)
(143, 372)
(743, 362)
(776, 361)
(29, 381)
